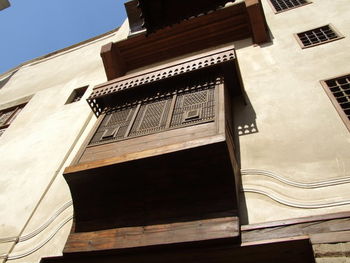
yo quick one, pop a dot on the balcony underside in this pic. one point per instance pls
(187, 185)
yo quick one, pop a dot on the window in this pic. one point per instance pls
(7, 116)
(318, 36)
(174, 108)
(76, 95)
(284, 5)
(338, 90)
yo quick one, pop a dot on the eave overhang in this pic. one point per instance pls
(226, 25)
(158, 14)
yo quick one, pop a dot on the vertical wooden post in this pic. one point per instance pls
(257, 21)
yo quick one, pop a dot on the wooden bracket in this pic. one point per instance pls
(113, 62)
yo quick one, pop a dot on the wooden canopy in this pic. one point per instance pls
(239, 21)
(158, 14)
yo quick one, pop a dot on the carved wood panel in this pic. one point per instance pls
(151, 118)
(193, 107)
(183, 107)
(114, 125)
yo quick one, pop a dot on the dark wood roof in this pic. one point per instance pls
(158, 14)
(136, 21)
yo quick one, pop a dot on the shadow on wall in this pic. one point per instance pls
(244, 125)
(5, 80)
(244, 117)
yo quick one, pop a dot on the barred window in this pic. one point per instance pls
(318, 36)
(7, 116)
(338, 90)
(284, 5)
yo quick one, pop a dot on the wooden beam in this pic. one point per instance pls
(328, 228)
(287, 252)
(129, 237)
(257, 22)
(293, 221)
(332, 237)
(113, 62)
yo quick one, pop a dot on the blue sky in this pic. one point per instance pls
(32, 28)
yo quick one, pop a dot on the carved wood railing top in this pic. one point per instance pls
(100, 92)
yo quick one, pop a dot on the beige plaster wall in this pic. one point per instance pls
(35, 202)
(292, 131)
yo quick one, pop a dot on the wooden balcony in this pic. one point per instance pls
(159, 167)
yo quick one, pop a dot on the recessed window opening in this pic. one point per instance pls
(76, 95)
(338, 90)
(317, 36)
(7, 116)
(284, 5)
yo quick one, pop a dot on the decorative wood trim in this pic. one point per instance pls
(131, 237)
(209, 59)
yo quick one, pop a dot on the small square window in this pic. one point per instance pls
(283, 5)
(76, 95)
(191, 115)
(109, 133)
(318, 36)
(338, 90)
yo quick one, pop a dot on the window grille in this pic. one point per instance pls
(7, 116)
(338, 90)
(318, 36)
(179, 108)
(284, 5)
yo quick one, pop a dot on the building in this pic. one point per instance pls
(217, 133)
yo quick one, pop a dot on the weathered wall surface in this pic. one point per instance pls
(35, 201)
(290, 135)
(290, 129)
